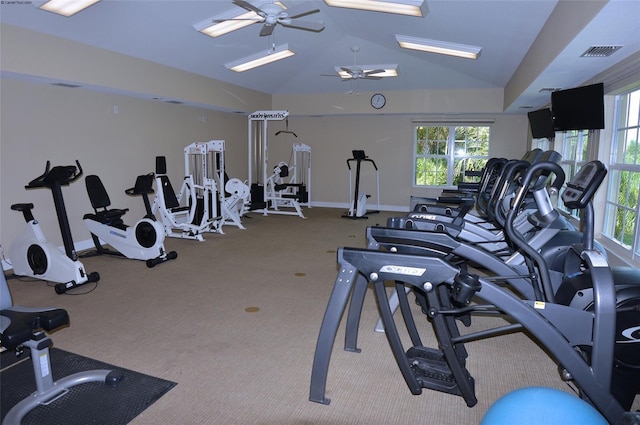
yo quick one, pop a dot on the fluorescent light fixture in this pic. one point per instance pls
(279, 52)
(441, 47)
(230, 22)
(389, 70)
(66, 7)
(400, 7)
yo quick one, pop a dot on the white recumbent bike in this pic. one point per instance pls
(32, 255)
(143, 241)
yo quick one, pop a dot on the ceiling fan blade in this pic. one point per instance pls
(371, 77)
(347, 70)
(300, 10)
(246, 5)
(303, 25)
(217, 21)
(267, 30)
(373, 72)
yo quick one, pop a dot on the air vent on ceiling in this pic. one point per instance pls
(526, 107)
(175, 102)
(600, 51)
(71, 86)
(549, 89)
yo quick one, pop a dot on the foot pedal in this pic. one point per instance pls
(432, 371)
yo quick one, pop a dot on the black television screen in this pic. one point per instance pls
(541, 122)
(581, 108)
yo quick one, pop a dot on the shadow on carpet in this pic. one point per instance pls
(89, 403)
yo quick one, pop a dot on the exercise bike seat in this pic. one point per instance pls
(100, 202)
(17, 323)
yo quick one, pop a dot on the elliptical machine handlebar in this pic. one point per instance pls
(532, 172)
(61, 174)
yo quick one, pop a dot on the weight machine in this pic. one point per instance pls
(221, 199)
(285, 187)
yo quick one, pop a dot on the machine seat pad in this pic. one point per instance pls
(110, 218)
(25, 320)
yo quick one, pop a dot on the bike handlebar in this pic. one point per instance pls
(62, 175)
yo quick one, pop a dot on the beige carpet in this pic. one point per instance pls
(194, 321)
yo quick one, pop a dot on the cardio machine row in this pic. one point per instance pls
(31, 254)
(586, 314)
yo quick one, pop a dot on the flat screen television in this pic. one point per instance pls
(581, 108)
(541, 122)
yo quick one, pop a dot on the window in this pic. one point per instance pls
(574, 150)
(442, 154)
(621, 212)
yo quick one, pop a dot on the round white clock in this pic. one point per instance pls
(378, 100)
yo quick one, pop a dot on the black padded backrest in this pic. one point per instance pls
(161, 165)
(97, 193)
(170, 199)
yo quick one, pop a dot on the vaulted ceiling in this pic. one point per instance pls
(163, 32)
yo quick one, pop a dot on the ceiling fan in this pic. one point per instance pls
(356, 72)
(272, 14)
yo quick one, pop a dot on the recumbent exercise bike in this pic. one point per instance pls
(143, 241)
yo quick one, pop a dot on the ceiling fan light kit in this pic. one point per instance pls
(416, 8)
(440, 47)
(367, 71)
(253, 61)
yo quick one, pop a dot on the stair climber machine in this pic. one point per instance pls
(32, 255)
(589, 324)
(358, 204)
(142, 241)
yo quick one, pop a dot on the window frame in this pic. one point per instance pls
(623, 124)
(450, 151)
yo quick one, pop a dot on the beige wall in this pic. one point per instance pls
(115, 129)
(42, 122)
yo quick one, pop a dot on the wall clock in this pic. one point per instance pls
(378, 100)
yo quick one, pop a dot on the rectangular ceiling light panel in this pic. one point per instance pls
(280, 52)
(441, 47)
(213, 28)
(65, 7)
(400, 7)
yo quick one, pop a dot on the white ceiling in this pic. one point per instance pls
(162, 32)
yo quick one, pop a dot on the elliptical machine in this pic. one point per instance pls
(144, 241)
(32, 255)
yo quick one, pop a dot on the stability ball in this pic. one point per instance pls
(544, 406)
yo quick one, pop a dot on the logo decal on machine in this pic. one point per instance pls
(629, 334)
(403, 270)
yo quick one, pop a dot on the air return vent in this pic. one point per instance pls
(71, 86)
(549, 89)
(600, 51)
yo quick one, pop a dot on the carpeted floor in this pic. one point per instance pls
(234, 320)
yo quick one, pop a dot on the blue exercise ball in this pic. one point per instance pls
(544, 406)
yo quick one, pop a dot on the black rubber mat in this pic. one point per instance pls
(89, 403)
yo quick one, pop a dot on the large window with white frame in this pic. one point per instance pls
(574, 148)
(442, 154)
(622, 209)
